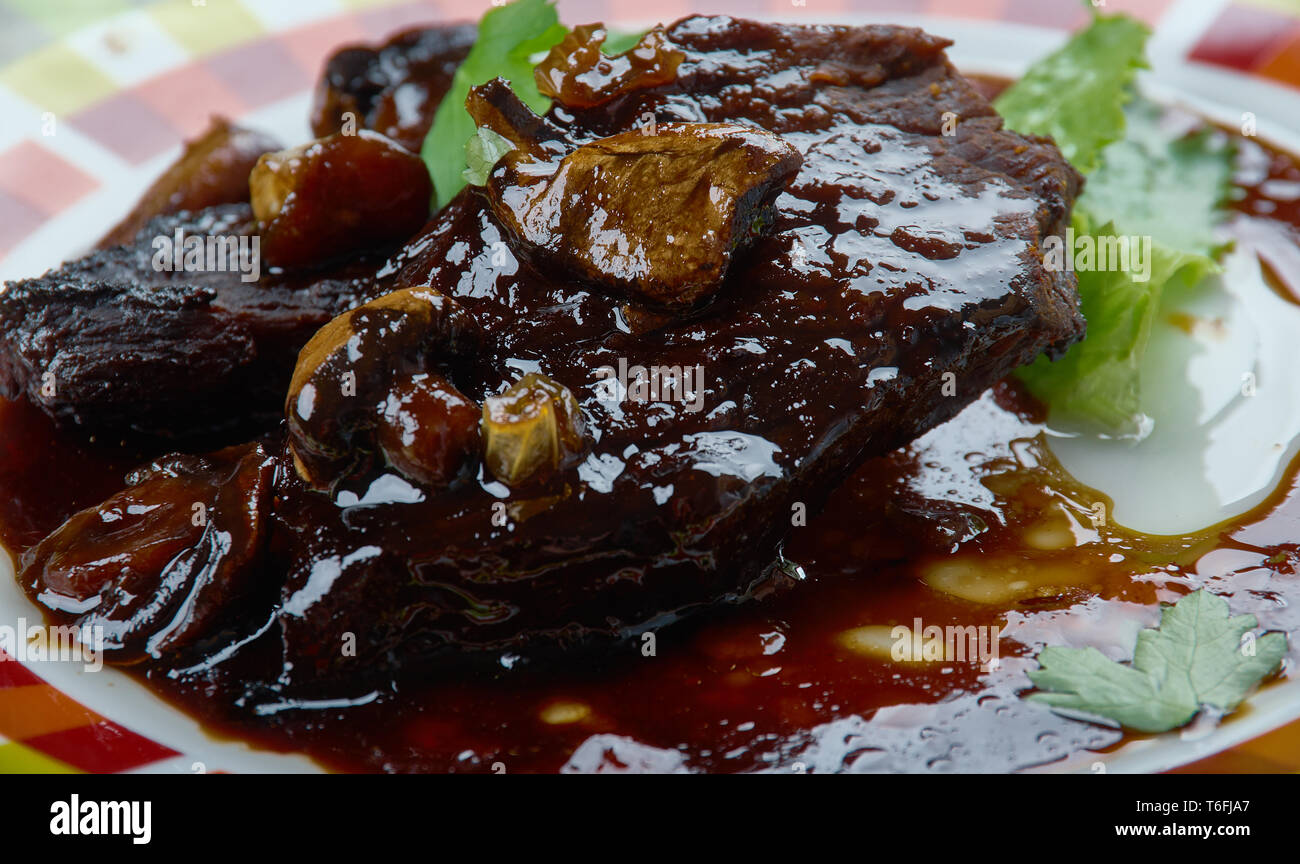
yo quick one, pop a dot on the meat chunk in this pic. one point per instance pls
(393, 88)
(115, 344)
(112, 344)
(900, 279)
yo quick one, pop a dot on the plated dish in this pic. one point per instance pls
(688, 435)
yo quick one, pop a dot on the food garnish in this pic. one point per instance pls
(1199, 657)
(1155, 192)
(508, 38)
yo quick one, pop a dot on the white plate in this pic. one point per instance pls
(1214, 455)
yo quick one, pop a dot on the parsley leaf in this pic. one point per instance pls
(508, 38)
(1077, 94)
(1196, 658)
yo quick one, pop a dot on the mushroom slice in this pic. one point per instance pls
(658, 212)
(355, 375)
(531, 429)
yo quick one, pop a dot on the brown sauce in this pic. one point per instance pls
(975, 524)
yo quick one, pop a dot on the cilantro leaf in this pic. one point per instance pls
(1078, 93)
(508, 38)
(1196, 658)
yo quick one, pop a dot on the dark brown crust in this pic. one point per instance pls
(696, 505)
(166, 354)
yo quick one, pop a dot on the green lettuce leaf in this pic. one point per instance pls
(509, 38)
(1077, 94)
(1158, 183)
(1151, 184)
(1143, 181)
(1098, 382)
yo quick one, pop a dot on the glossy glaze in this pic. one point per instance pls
(974, 524)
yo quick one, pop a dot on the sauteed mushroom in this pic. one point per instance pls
(589, 211)
(531, 429)
(357, 376)
(577, 74)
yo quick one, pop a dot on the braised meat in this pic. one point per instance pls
(194, 327)
(644, 452)
(117, 345)
(900, 278)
